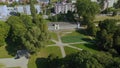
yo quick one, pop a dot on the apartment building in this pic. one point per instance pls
(64, 7)
(3, 11)
(23, 9)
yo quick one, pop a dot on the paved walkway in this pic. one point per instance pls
(11, 62)
(63, 25)
(61, 45)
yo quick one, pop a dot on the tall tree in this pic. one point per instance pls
(4, 29)
(116, 38)
(27, 20)
(31, 39)
(33, 12)
(17, 30)
(87, 9)
(37, 34)
(104, 37)
(91, 29)
(36, 37)
(82, 59)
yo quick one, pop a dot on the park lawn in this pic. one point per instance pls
(74, 37)
(44, 53)
(89, 47)
(4, 53)
(2, 65)
(50, 42)
(32, 62)
(69, 50)
(101, 18)
(53, 36)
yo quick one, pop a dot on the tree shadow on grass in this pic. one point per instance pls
(42, 62)
(88, 40)
(12, 48)
(49, 62)
(81, 31)
(91, 46)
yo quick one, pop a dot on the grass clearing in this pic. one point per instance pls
(89, 47)
(74, 37)
(103, 17)
(53, 36)
(4, 53)
(69, 50)
(2, 65)
(44, 53)
(32, 62)
(50, 43)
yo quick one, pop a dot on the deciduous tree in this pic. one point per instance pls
(4, 29)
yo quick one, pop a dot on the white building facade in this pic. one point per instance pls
(23, 9)
(64, 8)
(3, 11)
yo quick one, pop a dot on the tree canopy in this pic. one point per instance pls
(87, 9)
(4, 29)
(117, 4)
(108, 37)
(17, 30)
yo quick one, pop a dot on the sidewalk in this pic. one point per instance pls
(11, 62)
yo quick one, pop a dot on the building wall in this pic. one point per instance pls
(64, 8)
(2, 0)
(3, 11)
(26, 9)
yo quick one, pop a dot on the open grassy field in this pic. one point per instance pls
(44, 53)
(89, 47)
(4, 53)
(53, 36)
(69, 50)
(50, 42)
(103, 17)
(74, 37)
(2, 66)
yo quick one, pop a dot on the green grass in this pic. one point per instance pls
(2, 66)
(74, 37)
(89, 47)
(69, 50)
(101, 18)
(50, 43)
(32, 62)
(4, 53)
(74, 33)
(53, 36)
(44, 53)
